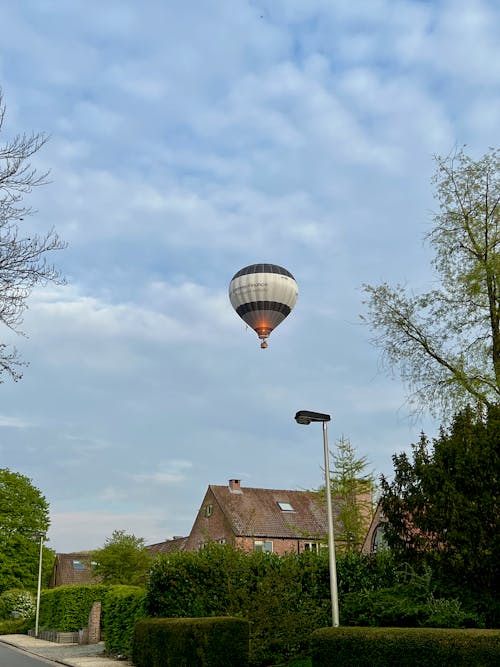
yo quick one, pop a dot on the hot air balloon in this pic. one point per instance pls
(263, 295)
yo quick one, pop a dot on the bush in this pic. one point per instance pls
(207, 642)
(67, 608)
(17, 600)
(448, 613)
(122, 607)
(284, 598)
(377, 647)
(15, 627)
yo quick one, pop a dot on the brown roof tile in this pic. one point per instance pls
(167, 547)
(256, 513)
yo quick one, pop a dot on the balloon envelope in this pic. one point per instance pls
(263, 295)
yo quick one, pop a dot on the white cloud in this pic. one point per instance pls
(13, 422)
(173, 472)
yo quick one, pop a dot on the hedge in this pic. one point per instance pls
(67, 608)
(18, 626)
(193, 642)
(122, 607)
(413, 647)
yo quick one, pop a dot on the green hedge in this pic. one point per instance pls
(18, 626)
(122, 607)
(413, 647)
(193, 642)
(284, 598)
(67, 608)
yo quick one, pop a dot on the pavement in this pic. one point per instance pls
(73, 655)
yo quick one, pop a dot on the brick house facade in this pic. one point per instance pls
(275, 520)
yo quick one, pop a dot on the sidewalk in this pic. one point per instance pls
(73, 655)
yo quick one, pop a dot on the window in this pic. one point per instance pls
(285, 507)
(78, 565)
(263, 545)
(378, 540)
(311, 546)
(209, 510)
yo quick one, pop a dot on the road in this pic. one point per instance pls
(13, 657)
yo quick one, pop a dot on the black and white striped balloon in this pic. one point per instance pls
(263, 295)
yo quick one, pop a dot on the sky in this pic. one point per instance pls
(188, 140)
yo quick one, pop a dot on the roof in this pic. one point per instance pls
(167, 547)
(72, 568)
(256, 513)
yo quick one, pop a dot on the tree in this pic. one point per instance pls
(123, 559)
(352, 493)
(443, 505)
(24, 515)
(23, 263)
(446, 343)
(353, 488)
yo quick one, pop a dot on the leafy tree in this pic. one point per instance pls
(23, 263)
(24, 514)
(124, 559)
(446, 343)
(443, 504)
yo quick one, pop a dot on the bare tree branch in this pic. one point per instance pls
(23, 262)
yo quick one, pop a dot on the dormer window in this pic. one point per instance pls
(285, 507)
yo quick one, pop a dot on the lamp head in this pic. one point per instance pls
(306, 417)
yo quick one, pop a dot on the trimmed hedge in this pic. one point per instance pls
(413, 647)
(192, 642)
(122, 607)
(67, 608)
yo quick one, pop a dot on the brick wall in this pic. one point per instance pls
(210, 525)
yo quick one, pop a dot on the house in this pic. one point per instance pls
(374, 539)
(253, 519)
(73, 568)
(272, 520)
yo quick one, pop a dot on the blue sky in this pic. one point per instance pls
(187, 140)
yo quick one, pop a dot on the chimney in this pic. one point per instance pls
(234, 486)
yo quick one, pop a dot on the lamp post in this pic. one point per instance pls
(306, 417)
(37, 615)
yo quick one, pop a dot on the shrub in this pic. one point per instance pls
(197, 642)
(17, 600)
(122, 607)
(284, 598)
(448, 613)
(19, 626)
(389, 607)
(377, 647)
(67, 608)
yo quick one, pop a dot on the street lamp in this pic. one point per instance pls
(37, 615)
(306, 417)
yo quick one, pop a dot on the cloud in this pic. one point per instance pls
(13, 422)
(173, 472)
